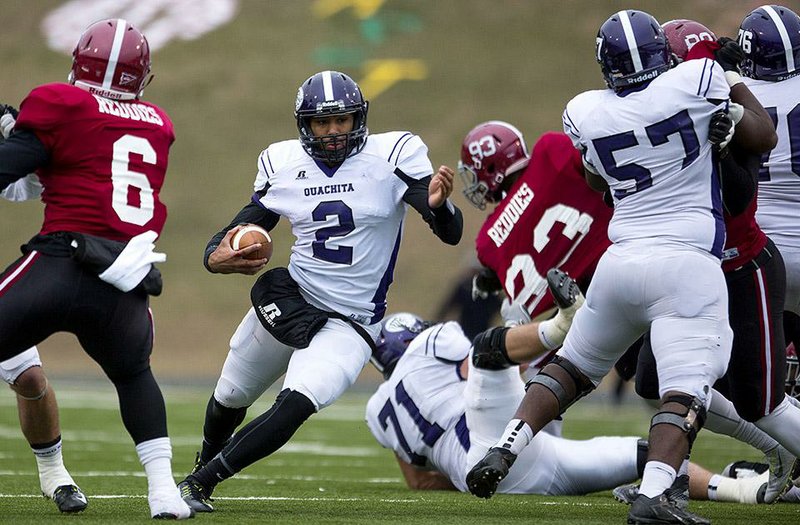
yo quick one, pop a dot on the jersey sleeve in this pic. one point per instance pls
(571, 118)
(42, 111)
(707, 79)
(410, 155)
(447, 341)
(265, 171)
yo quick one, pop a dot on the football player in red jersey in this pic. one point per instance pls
(535, 225)
(100, 153)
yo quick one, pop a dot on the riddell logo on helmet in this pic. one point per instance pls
(330, 104)
(646, 76)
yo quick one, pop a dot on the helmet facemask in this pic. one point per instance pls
(327, 94)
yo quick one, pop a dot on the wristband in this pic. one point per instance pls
(733, 78)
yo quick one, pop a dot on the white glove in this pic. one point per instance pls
(24, 189)
(7, 124)
(514, 313)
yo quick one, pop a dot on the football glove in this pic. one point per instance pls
(514, 313)
(721, 129)
(729, 55)
(485, 283)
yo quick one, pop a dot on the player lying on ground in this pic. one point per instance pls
(437, 409)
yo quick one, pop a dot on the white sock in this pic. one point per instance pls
(783, 424)
(684, 470)
(736, 490)
(553, 331)
(52, 472)
(657, 478)
(551, 334)
(516, 436)
(163, 495)
(155, 456)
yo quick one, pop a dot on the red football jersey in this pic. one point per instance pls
(744, 238)
(549, 218)
(107, 161)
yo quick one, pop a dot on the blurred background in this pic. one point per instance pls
(227, 72)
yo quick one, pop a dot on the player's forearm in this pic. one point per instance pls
(418, 479)
(446, 221)
(22, 153)
(523, 343)
(252, 213)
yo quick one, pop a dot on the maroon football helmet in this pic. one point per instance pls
(683, 34)
(489, 152)
(112, 59)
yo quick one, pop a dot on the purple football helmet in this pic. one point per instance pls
(770, 39)
(632, 49)
(325, 94)
(396, 333)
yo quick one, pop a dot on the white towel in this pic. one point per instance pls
(134, 262)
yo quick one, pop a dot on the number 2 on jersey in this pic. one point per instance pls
(344, 214)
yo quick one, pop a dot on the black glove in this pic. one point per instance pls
(485, 283)
(9, 109)
(729, 55)
(720, 131)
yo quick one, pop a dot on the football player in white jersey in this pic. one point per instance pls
(770, 39)
(345, 195)
(438, 411)
(645, 140)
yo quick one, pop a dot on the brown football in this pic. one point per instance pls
(252, 234)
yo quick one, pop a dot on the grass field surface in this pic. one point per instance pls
(332, 471)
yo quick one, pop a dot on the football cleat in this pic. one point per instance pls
(568, 298)
(564, 289)
(69, 498)
(678, 493)
(487, 474)
(626, 494)
(198, 463)
(195, 495)
(660, 509)
(781, 466)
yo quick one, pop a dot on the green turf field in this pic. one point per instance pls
(331, 472)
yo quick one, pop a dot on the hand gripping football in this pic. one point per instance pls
(252, 234)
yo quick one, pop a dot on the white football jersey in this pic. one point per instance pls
(420, 411)
(347, 221)
(779, 177)
(652, 148)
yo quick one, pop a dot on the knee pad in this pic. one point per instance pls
(581, 384)
(489, 350)
(230, 395)
(691, 422)
(14, 367)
